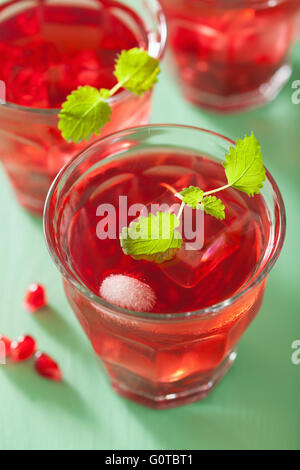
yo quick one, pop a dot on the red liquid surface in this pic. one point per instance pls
(194, 279)
(230, 48)
(160, 361)
(48, 51)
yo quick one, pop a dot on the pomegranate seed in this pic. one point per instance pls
(7, 345)
(47, 367)
(22, 349)
(35, 298)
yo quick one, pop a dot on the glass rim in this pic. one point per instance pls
(257, 3)
(124, 94)
(210, 311)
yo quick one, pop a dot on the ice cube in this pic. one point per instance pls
(167, 201)
(128, 292)
(29, 88)
(86, 68)
(119, 183)
(167, 171)
(179, 176)
(41, 53)
(190, 267)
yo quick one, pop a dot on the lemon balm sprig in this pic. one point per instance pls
(87, 110)
(244, 171)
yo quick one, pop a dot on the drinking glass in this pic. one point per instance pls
(32, 149)
(170, 356)
(231, 55)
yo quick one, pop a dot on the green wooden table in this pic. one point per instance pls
(257, 405)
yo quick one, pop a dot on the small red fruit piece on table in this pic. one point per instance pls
(47, 367)
(4, 340)
(22, 349)
(35, 298)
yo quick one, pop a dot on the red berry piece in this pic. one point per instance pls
(35, 298)
(47, 367)
(22, 349)
(5, 345)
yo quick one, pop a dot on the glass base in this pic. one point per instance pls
(167, 395)
(235, 103)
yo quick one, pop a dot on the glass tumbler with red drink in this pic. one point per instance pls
(167, 330)
(231, 55)
(47, 51)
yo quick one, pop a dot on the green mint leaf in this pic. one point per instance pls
(244, 166)
(105, 93)
(84, 113)
(152, 238)
(214, 206)
(136, 70)
(192, 196)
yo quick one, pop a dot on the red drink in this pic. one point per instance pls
(190, 281)
(232, 54)
(47, 51)
(167, 356)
